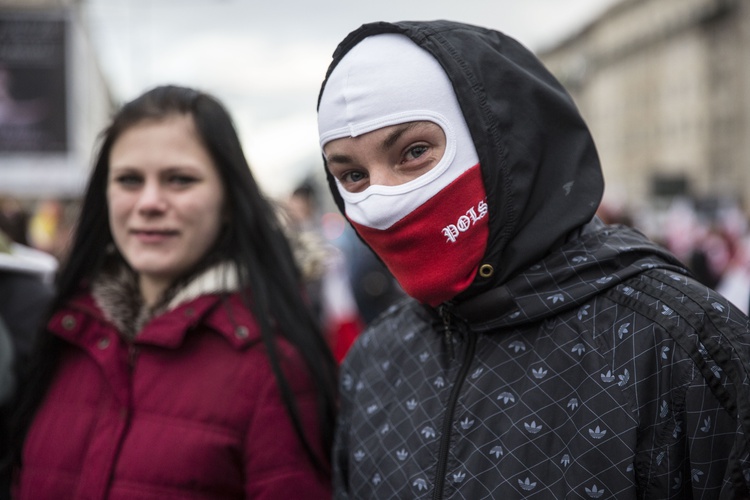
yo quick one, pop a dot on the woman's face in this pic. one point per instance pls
(165, 200)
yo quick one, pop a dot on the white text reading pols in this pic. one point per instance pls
(465, 222)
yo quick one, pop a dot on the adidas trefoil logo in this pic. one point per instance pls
(623, 330)
(558, 297)
(506, 397)
(597, 433)
(696, 475)
(578, 349)
(526, 484)
(532, 428)
(584, 311)
(466, 423)
(594, 492)
(517, 346)
(428, 432)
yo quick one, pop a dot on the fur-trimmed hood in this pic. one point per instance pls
(116, 293)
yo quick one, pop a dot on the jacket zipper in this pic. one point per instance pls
(445, 437)
(447, 331)
(132, 355)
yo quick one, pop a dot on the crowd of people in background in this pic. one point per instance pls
(712, 238)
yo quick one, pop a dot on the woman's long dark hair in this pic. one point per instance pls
(254, 241)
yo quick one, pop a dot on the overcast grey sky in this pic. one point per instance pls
(265, 59)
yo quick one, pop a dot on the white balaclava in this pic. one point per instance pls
(432, 231)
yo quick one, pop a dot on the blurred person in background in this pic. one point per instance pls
(51, 226)
(26, 277)
(712, 254)
(7, 390)
(14, 220)
(324, 265)
(735, 281)
(180, 359)
(544, 353)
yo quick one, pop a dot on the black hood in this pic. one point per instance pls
(539, 163)
(597, 258)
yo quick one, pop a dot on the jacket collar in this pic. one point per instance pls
(595, 259)
(211, 299)
(117, 295)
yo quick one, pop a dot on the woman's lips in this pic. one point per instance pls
(153, 236)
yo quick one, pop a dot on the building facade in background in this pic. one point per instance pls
(665, 88)
(53, 100)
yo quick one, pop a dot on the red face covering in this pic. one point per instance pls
(435, 251)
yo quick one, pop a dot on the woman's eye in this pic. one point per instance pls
(416, 152)
(182, 180)
(128, 180)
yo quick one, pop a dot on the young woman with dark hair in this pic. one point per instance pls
(181, 359)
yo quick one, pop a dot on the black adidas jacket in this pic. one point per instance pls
(587, 365)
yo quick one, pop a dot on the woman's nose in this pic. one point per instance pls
(151, 199)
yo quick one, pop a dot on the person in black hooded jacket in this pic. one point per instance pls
(542, 353)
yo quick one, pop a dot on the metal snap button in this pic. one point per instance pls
(103, 343)
(68, 322)
(486, 270)
(241, 332)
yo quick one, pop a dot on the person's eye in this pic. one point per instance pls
(416, 151)
(352, 180)
(128, 180)
(181, 180)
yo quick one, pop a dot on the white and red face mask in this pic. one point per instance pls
(432, 231)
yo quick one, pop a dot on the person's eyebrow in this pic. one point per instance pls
(389, 141)
(339, 158)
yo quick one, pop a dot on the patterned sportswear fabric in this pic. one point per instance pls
(584, 379)
(585, 364)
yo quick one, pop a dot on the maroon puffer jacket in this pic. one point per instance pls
(188, 410)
